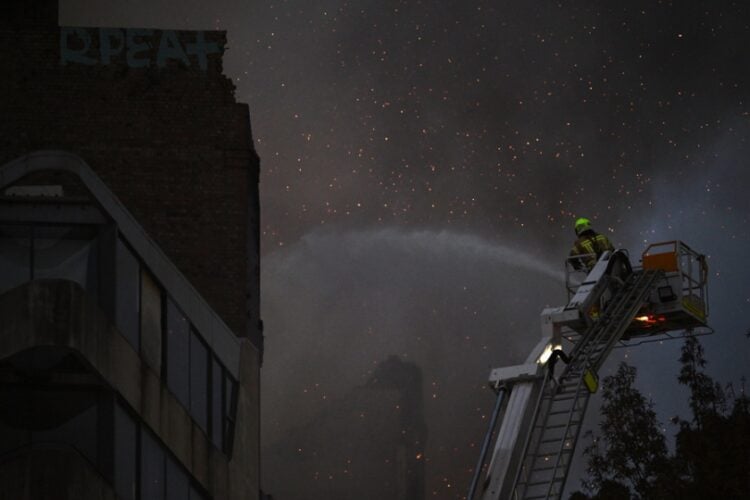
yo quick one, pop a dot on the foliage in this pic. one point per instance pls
(712, 452)
(706, 396)
(713, 449)
(632, 451)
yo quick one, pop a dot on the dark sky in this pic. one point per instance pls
(422, 163)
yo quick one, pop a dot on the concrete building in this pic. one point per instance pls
(130, 337)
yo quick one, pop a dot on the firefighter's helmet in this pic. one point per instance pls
(582, 224)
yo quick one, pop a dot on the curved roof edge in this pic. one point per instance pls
(206, 321)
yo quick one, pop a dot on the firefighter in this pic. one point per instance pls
(588, 244)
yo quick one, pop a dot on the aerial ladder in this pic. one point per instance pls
(541, 404)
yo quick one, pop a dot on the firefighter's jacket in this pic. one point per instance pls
(590, 242)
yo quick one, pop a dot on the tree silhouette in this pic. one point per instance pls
(712, 452)
(632, 452)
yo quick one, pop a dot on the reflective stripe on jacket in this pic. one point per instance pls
(591, 242)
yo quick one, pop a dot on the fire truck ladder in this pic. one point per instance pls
(560, 408)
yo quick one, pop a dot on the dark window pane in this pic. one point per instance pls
(15, 256)
(125, 447)
(65, 252)
(11, 437)
(178, 483)
(152, 468)
(151, 320)
(128, 295)
(217, 406)
(195, 494)
(70, 418)
(178, 353)
(230, 393)
(199, 381)
(76, 413)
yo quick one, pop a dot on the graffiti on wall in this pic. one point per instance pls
(140, 48)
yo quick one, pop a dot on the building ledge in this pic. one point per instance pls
(59, 313)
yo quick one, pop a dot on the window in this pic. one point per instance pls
(65, 252)
(70, 420)
(139, 306)
(12, 438)
(127, 315)
(162, 477)
(75, 416)
(152, 468)
(15, 256)
(199, 380)
(126, 435)
(30, 252)
(178, 483)
(178, 353)
(217, 404)
(230, 407)
(195, 494)
(151, 324)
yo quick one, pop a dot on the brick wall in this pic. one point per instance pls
(170, 141)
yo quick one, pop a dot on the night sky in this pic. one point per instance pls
(421, 167)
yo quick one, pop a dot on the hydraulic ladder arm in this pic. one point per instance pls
(542, 414)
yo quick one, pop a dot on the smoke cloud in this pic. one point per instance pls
(341, 303)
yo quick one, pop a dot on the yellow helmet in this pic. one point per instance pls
(582, 224)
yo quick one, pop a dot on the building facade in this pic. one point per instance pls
(130, 337)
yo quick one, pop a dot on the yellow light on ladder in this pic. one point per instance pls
(591, 380)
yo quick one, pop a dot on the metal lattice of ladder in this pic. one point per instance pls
(561, 406)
